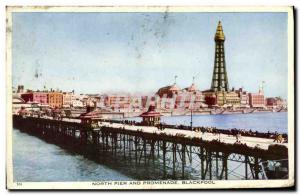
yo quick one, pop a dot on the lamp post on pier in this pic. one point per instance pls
(192, 118)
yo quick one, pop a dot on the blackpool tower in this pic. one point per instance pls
(219, 78)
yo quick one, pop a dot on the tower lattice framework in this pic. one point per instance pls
(219, 79)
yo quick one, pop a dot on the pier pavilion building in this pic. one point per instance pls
(151, 117)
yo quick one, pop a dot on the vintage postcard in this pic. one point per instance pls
(150, 97)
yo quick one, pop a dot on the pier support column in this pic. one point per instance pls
(164, 157)
(183, 160)
(145, 151)
(113, 144)
(246, 167)
(202, 163)
(73, 135)
(225, 158)
(124, 147)
(152, 150)
(129, 146)
(136, 149)
(256, 168)
(98, 142)
(103, 141)
(174, 160)
(158, 145)
(217, 165)
(106, 141)
(191, 154)
(210, 164)
(116, 143)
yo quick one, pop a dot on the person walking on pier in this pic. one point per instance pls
(237, 136)
(278, 138)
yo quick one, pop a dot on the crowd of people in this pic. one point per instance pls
(238, 133)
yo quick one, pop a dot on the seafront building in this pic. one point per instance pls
(19, 104)
(120, 103)
(275, 102)
(20, 89)
(244, 98)
(77, 103)
(257, 100)
(190, 98)
(55, 99)
(168, 91)
(228, 98)
(67, 99)
(36, 97)
(167, 96)
(173, 97)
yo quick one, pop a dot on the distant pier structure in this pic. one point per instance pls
(148, 152)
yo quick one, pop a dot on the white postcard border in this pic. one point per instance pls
(228, 184)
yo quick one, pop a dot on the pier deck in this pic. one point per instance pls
(251, 142)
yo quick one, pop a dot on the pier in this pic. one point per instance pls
(166, 153)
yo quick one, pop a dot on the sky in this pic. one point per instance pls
(141, 52)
